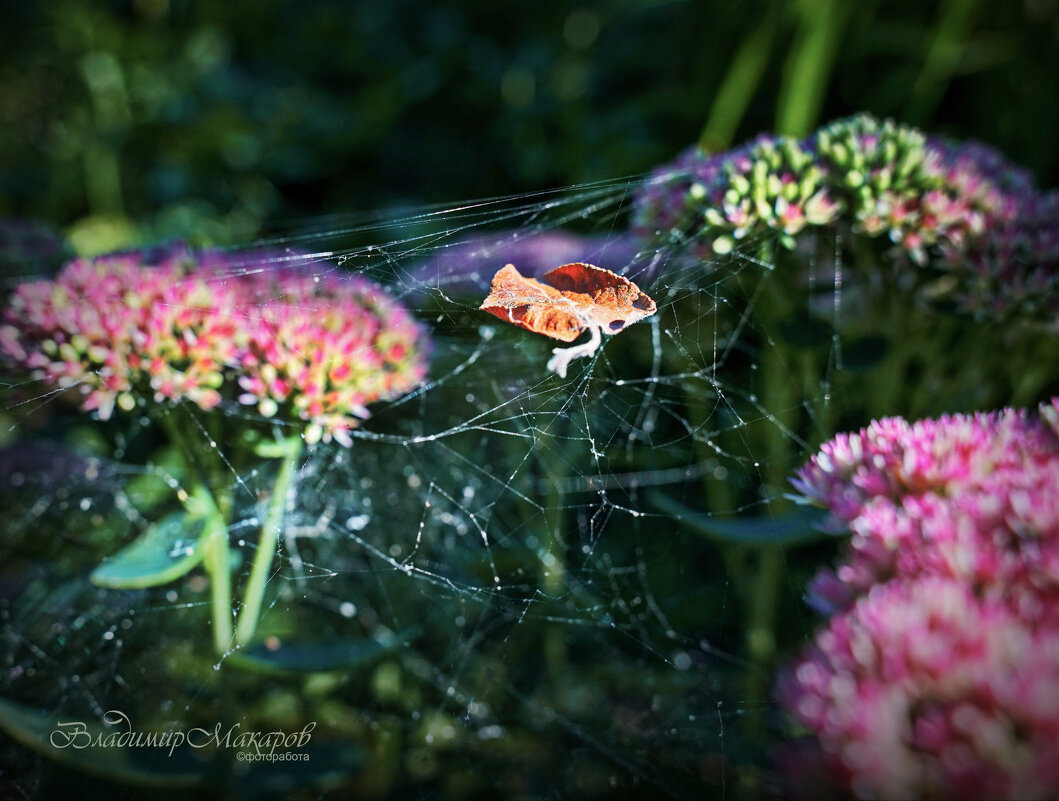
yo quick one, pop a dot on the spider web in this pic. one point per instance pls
(546, 625)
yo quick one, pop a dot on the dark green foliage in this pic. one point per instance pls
(149, 119)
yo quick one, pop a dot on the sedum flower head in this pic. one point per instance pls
(90, 330)
(882, 170)
(670, 204)
(973, 497)
(893, 458)
(773, 184)
(121, 333)
(938, 672)
(1014, 271)
(960, 208)
(770, 184)
(327, 349)
(925, 690)
(930, 197)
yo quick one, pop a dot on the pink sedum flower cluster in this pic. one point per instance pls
(972, 497)
(938, 672)
(925, 690)
(929, 197)
(122, 332)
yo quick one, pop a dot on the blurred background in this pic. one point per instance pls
(131, 123)
(135, 121)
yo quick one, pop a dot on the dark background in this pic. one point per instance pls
(124, 123)
(130, 123)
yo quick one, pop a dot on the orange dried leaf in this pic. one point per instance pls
(532, 305)
(567, 300)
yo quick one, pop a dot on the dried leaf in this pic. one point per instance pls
(565, 302)
(535, 306)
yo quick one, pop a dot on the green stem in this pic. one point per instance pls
(289, 451)
(890, 377)
(780, 384)
(761, 627)
(718, 494)
(779, 389)
(218, 565)
(718, 491)
(554, 579)
(1030, 374)
(204, 500)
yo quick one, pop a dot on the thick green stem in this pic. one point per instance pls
(1030, 374)
(780, 387)
(761, 628)
(718, 492)
(554, 560)
(289, 452)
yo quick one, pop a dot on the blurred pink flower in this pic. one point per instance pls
(938, 674)
(924, 690)
(892, 458)
(122, 333)
(974, 497)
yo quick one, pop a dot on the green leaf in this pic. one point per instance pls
(60, 738)
(316, 655)
(798, 527)
(163, 553)
(150, 488)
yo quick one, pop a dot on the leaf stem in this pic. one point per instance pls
(218, 565)
(290, 449)
(204, 501)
